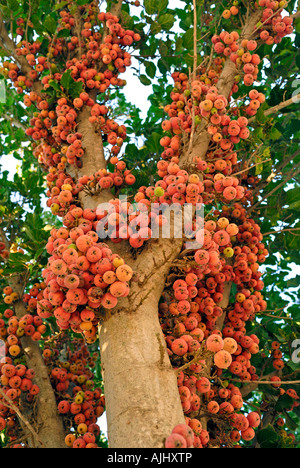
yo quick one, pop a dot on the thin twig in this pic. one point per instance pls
(268, 382)
(277, 172)
(289, 177)
(195, 39)
(12, 406)
(277, 317)
(281, 230)
(27, 23)
(251, 167)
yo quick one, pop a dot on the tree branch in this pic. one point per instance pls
(7, 43)
(290, 176)
(9, 46)
(251, 167)
(281, 230)
(13, 121)
(195, 39)
(116, 8)
(253, 384)
(267, 382)
(4, 238)
(278, 107)
(202, 138)
(281, 166)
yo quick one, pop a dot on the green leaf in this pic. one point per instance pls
(13, 5)
(60, 6)
(260, 158)
(150, 6)
(267, 438)
(66, 80)
(127, 20)
(155, 27)
(284, 401)
(54, 85)
(297, 25)
(50, 24)
(260, 114)
(150, 69)
(163, 49)
(188, 39)
(153, 143)
(5, 11)
(144, 80)
(291, 424)
(259, 167)
(275, 134)
(295, 205)
(155, 6)
(166, 21)
(63, 33)
(162, 4)
(75, 89)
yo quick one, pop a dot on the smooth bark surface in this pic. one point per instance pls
(142, 399)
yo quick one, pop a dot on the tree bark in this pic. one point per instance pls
(142, 398)
(48, 424)
(201, 138)
(140, 385)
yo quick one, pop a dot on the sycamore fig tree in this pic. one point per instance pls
(148, 264)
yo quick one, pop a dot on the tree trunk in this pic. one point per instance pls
(142, 398)
(48, 424)
(140, 385)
